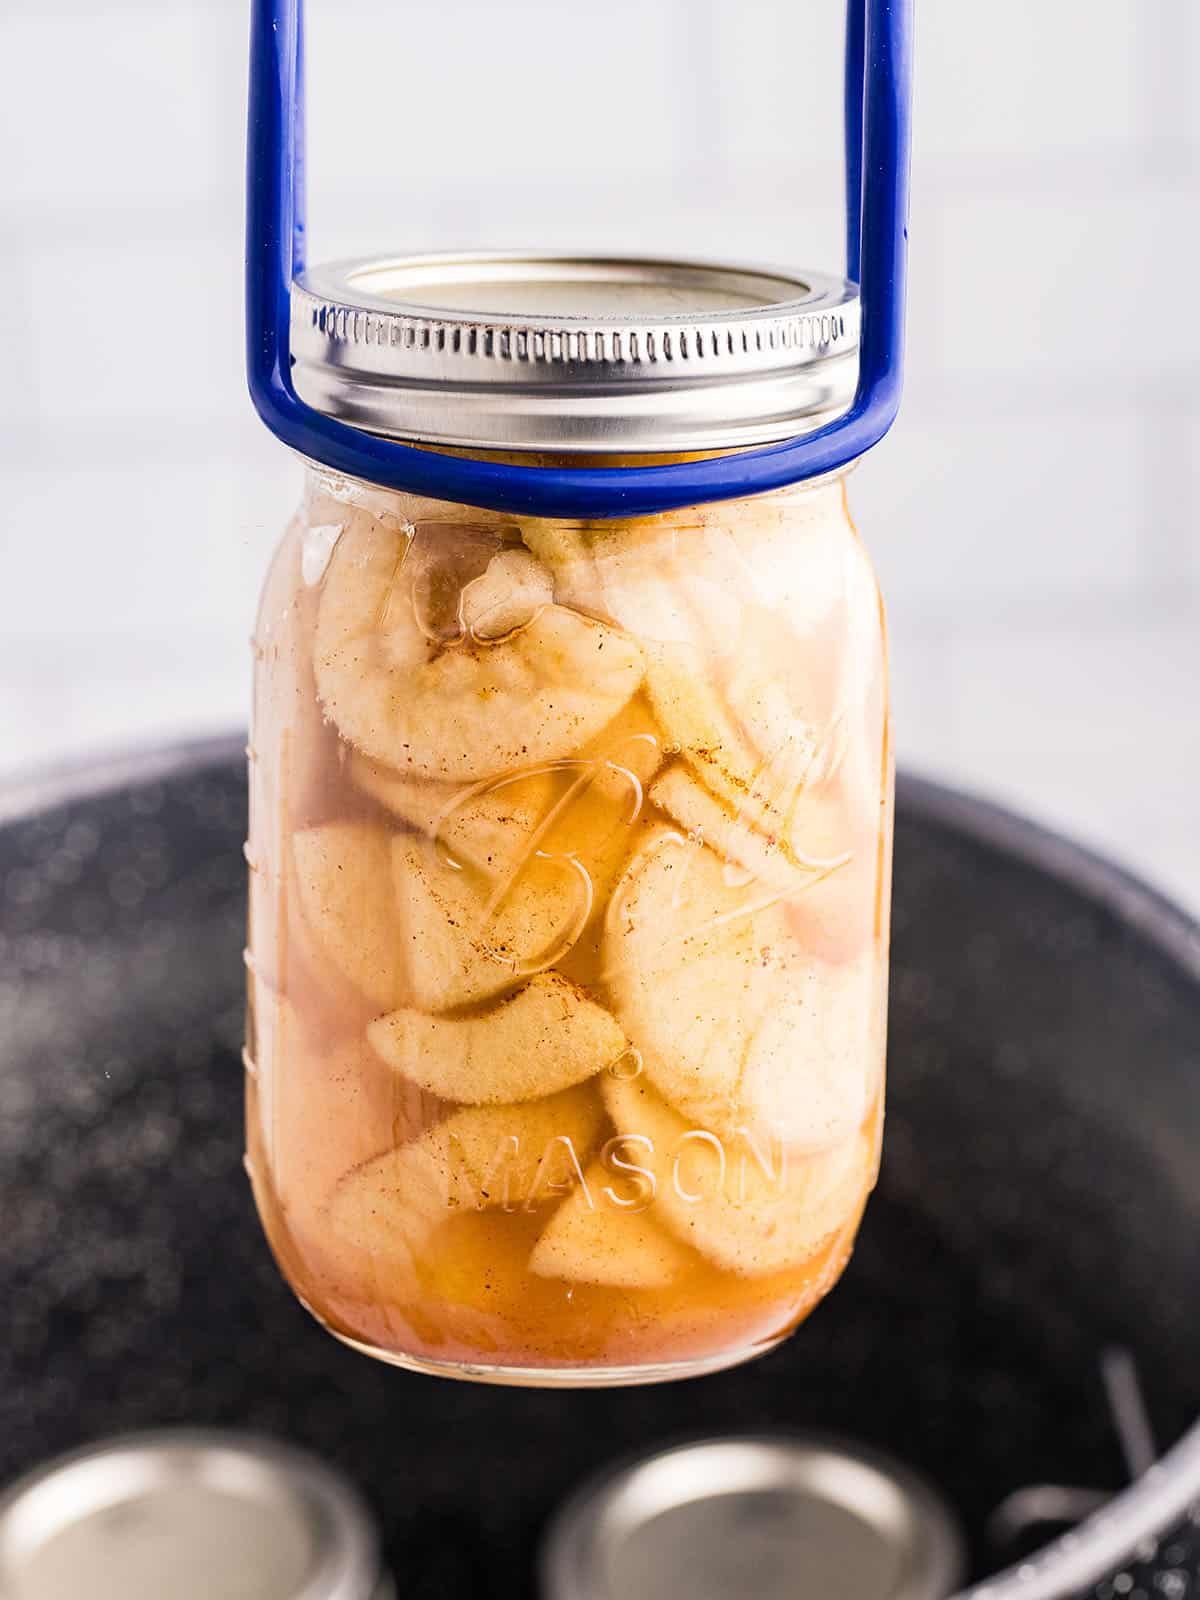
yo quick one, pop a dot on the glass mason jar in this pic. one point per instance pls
(570, 867)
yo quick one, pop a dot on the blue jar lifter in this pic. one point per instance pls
(877, 119)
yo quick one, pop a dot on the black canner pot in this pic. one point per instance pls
(1039, 1203)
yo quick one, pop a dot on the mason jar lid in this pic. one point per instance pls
(188, 1514)
(776, 1516)
(545, 352)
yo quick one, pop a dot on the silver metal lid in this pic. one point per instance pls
(188, 1515)
(779, 1517)
(529, 351)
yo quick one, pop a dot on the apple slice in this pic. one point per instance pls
(590, 1239)
(584, 804)
(747, 1208)
(506, 597)
(486, 828)
(736, 1021)
(821, 856)
(406, 928)
(343, 874)
(325, 1104)
(438, 701)
(760, 626)
(479, 1158)
(459, 947)
(545, 1037)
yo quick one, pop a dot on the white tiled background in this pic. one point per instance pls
(1036, 513)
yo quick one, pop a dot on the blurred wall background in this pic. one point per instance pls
(1035, 515)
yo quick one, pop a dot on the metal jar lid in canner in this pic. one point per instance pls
(777, 1516)
(188, 1514)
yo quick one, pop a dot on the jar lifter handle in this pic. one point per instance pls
(877, 115)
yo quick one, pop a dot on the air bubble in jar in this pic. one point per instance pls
(627, 1065)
